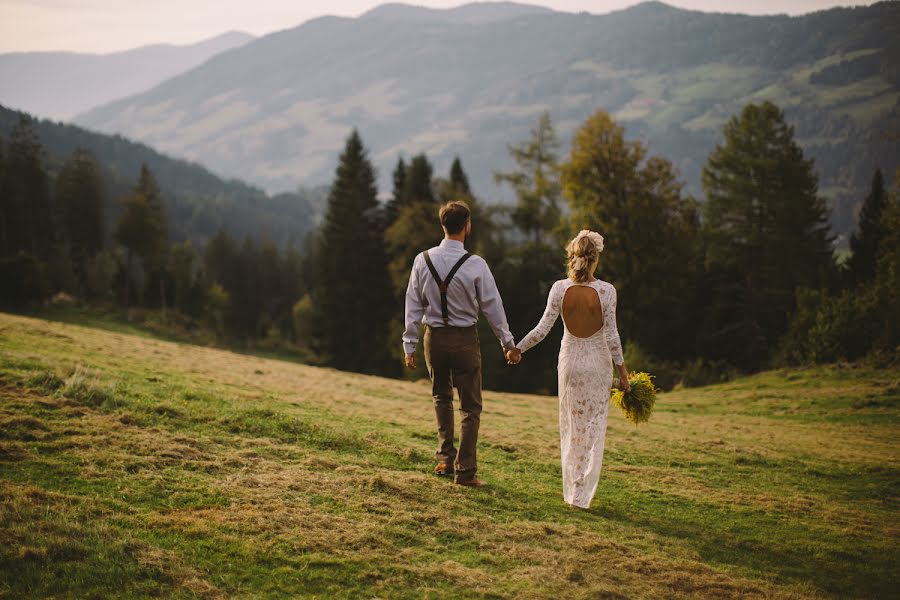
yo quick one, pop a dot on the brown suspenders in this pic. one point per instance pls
(442, 284)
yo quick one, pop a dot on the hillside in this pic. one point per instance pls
(137, 467)
(470, 80)
(198, 202)
(60, 85)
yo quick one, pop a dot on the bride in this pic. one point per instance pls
(590, 345)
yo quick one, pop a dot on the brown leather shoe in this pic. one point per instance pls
(443, 469)
(474, 482)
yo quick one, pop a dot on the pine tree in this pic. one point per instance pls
(188, 280)
(459, 181)
(272, 287)
(148, 187)
(219, 258)
(535, 181)
(417, 181)
(456, 187)
(416, 227)
(221, 261)
(354, 293)
(135, 232)
(245, 297)
(155, 257)
(767, 232)
(887, 271)
(80, 202)
(865, 242)
(392, 209)
(25, 204)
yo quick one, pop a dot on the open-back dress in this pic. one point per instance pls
(585, 373)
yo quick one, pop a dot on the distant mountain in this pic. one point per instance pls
(467, 14)
(59, 85)
(198, 203)
(470, 80)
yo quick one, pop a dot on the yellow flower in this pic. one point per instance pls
(638, 403)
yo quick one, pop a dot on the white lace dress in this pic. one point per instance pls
(585, 373)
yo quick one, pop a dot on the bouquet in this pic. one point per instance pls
(637, 403)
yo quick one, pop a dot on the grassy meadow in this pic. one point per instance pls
(134, 467)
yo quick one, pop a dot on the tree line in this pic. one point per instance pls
(56, 240)
(198, 203)
(744, 280)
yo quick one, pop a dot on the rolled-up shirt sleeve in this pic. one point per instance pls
(414, 309)
(491, 306)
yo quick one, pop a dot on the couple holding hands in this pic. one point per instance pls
(448, 287)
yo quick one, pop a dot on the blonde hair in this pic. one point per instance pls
(583, 254)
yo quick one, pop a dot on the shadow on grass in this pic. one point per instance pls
(764, 543)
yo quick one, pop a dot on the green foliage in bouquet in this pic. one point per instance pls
(637, 403)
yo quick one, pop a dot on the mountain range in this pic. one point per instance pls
(60, 85)
(470, 80)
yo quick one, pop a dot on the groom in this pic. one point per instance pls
(447, 288)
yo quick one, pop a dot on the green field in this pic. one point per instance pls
(131, 467)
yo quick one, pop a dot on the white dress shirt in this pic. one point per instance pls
(472, 289)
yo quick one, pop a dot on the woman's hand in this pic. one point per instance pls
(624, 385)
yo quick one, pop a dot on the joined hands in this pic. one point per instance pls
(513, 356)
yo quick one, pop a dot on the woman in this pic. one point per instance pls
(590, 345)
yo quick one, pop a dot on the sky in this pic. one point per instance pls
(102, 26)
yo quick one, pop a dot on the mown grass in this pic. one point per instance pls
(132, 467)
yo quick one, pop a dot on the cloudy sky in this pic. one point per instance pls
(110, 25)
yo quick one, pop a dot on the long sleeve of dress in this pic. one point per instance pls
(546, 323)
(612, 332)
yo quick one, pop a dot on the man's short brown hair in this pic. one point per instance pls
(454, 215)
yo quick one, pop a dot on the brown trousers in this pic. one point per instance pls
(453, 358)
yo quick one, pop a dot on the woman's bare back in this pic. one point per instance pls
(582, 311)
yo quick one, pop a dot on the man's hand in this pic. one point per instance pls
(411, 360)
(513, 356)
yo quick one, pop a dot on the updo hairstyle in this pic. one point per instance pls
(583, 254)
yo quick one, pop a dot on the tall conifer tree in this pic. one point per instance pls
(79, 202)
(134, 232)
(865, 241)
(458, 178)
(354, 292)
(155, 257)
(28, 222)
(416, 227)
(417, 181)
(392, 209)
(767, 232)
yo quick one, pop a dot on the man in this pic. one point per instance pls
(447, 289)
